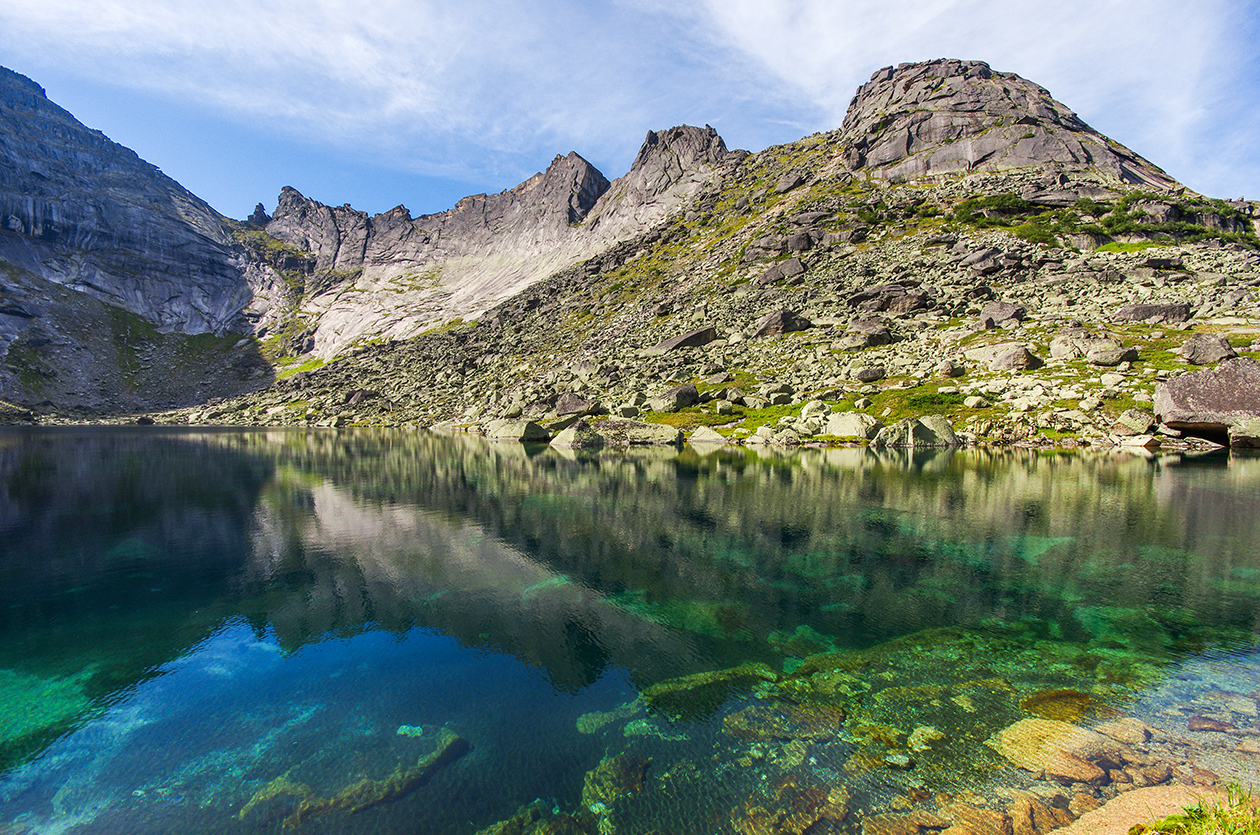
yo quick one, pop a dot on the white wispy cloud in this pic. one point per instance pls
(491, 86)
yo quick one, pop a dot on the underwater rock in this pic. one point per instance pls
(794, 805)
(699, 694)
(922, 737)
(1029, 816)
(589, 723)
(282, 786)
(1063, 705)
(1121, 628)
(966, 818)
(785, 722)
(539, 818)
(613, 778)
(916, 822)
(1206, 723)
(899, 759)
(1063, 751)
(367, 791)
(804, 641)
(646, 727)
(1129, 731)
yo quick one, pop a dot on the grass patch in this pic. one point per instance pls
(1137, 246)
(1236, 815)
(309, 365)
(690, 418)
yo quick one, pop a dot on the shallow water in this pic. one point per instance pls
(392, 631)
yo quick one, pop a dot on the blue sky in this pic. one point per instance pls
(421, 102)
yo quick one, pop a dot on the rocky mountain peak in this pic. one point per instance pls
(950, 116)
(669, 155)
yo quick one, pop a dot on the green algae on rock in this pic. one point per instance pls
(700, 694)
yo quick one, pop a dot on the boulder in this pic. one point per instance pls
(1074, 343)
(783, 270)
(706, 435)
(525, 431)
(1004, 356)
(1221, 405)
(1002, 311)
(1134, 422)
(580, 435)
(852, 425)
(679, 397)
(941, 427)
(781, 321)
(875, 330)
(1168, 314)
(1112, 355)
(930, 431)
(1065, 752)
(692, 339)
(1244, 433)
(869, 374)
(1206, 348)
(574, 404)
(634, 433)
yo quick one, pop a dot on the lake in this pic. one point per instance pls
(397, 631)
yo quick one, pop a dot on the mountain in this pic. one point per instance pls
(391, 276)
(950, 116)
(960, 221)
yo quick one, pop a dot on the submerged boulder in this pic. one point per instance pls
(1065, 752)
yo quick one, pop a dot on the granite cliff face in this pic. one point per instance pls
(391, 276)
(86, 213)
(114, 279)
(950, 117)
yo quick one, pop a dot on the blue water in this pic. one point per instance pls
(201, 630)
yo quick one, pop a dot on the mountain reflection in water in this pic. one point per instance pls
(214, 630)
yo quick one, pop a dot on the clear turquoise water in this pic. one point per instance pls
(201, 630)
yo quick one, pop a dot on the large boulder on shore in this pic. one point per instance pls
(930, 430)
(853, 425)
(524, 431)
(1221, 405)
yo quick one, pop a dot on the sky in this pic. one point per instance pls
(421, 102)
